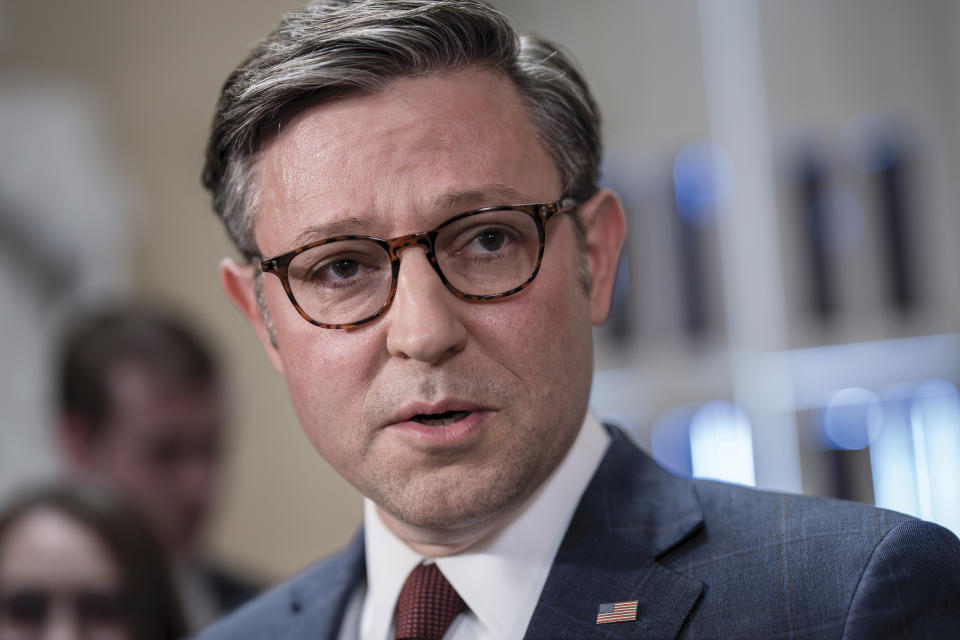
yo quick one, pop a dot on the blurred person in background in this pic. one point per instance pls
(142, 407)
(76, 563)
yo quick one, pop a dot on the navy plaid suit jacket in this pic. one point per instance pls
(703, 559)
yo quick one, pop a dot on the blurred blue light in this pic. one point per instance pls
(851, 419)
(916, 458)
(891, 455)
(670, 440)
(702, 179)
(721, 443)
(935, 426)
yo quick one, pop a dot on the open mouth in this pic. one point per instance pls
(440, 419)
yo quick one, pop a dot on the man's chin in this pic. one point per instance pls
(440, 514)
(444, 519)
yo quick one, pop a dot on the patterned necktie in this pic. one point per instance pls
(427, 605)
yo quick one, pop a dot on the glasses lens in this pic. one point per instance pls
(489, 253)
(27, 608)
(105, 607)
(341, 282)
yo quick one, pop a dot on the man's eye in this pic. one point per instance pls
(344, 268)
(487, 241)
(338, 270)
(491, 239)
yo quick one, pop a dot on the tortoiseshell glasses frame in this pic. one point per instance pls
(539, 213)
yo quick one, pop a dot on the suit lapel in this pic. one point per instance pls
(631, 514)
(319, 600)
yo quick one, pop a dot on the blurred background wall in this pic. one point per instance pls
(788, 302)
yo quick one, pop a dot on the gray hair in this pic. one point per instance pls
(334, 48)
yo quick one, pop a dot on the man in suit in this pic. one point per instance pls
(412, 186)
(142, 409)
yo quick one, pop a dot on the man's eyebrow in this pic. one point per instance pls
(342, 227)
(483, 196)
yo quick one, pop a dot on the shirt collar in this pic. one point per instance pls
(501, 578)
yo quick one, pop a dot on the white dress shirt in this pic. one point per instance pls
(501, 578)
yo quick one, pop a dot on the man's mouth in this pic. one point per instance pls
(440, 419)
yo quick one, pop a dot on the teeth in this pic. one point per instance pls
(441, 419)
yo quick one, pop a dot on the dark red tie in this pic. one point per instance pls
(427, 605)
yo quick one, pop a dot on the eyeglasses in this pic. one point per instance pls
(29, 610)
(484, 254)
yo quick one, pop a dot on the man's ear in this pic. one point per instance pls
(237, 279)
(605, 226)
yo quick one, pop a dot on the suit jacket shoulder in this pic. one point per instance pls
(804, 567)
(229, 588)
(309, 605)
(711, 560)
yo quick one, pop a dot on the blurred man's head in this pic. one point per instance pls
(421, 181)
(142, 407)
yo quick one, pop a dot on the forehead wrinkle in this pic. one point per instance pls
(343, 226)
(482, 196)
(399, 200)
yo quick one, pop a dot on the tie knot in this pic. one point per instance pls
(427, 605)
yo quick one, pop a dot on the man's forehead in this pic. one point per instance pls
(419, 149)
(466, 96)
(452, 203)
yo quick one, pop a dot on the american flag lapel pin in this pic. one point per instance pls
(617, 612)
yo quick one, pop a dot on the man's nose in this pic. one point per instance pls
(422, 323)
(62, 624)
